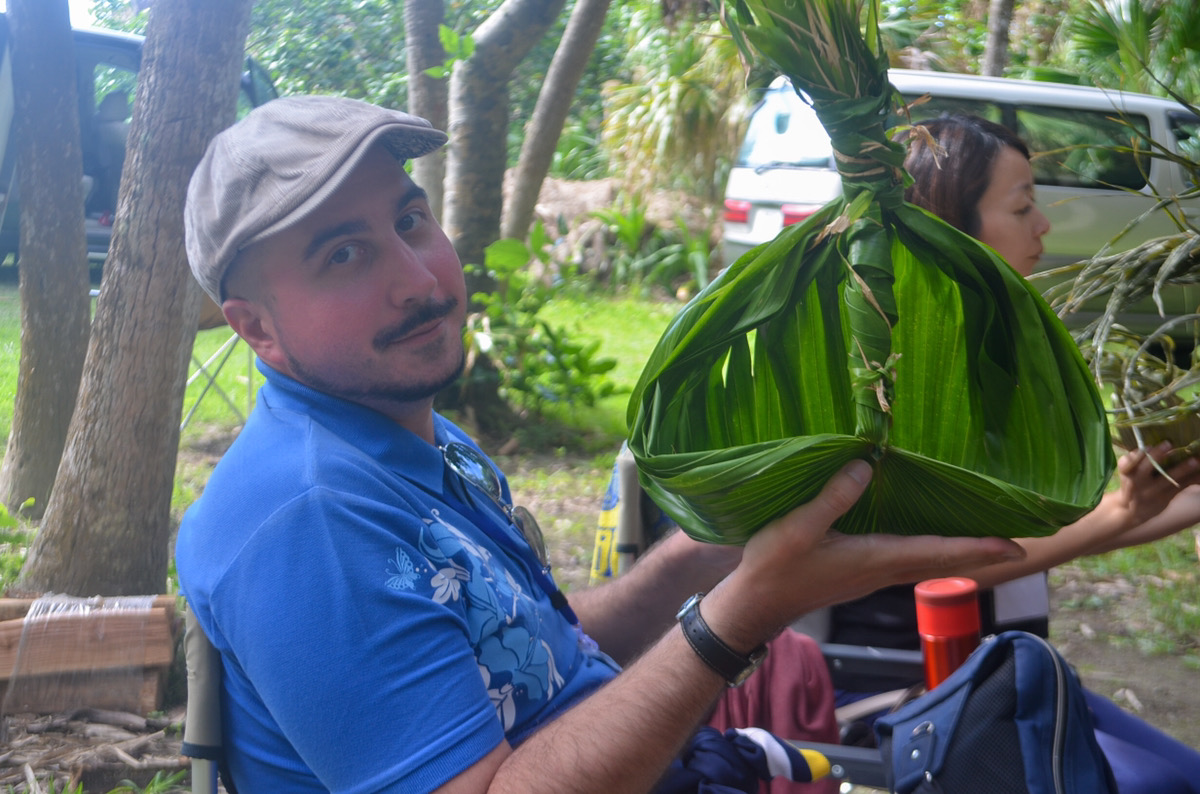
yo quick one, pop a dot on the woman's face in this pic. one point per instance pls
(1009, 219)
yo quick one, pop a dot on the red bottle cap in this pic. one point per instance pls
(948, 607)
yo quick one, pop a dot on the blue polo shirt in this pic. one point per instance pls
(375, 637)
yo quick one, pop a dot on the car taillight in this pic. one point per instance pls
(737, 211)
(794, 213)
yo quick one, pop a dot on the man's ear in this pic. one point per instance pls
(251, 322)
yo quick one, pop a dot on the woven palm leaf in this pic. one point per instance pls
(872, 330)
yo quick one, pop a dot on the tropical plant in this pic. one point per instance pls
(1153, 386)
(647, 257)
(537, 365)
(677, 120)
(872, 330)
(1151, 46)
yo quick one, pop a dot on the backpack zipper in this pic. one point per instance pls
(1060, 716)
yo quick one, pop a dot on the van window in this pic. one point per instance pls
(1072, 148)
(785, 131)
(1186, 129)
(930, 107)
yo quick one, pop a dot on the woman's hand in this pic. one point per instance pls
(1145, 494)
(1152, 506)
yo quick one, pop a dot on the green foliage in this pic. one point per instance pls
(1166, 575)
(949, 35)
(161, 783)
(537, 364)
(456, 47)
(578, 155)
(353, 48)
(1152, 47)
(676, 121)
(646, 257)
(14, 542)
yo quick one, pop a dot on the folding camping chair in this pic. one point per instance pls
(202, 740)
(207, 370)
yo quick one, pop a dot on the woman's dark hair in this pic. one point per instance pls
(951, 167)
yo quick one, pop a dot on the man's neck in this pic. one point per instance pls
(416, 418)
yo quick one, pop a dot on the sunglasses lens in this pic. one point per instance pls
(531, 531)
(470, 465)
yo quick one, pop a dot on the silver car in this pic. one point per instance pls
(784, 170)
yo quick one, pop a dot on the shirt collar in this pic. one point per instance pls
(380, 437)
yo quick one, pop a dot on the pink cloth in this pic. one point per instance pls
(790, 695)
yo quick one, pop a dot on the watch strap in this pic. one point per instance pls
(712, 650)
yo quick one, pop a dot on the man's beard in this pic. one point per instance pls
(393, 392)
(380, 392)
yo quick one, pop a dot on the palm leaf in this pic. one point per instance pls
(872, 330)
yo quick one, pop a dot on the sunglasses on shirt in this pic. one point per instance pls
(473, 469)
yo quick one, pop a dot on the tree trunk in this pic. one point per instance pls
(995, 54)
(478, 130)
(107, 528)
(553, 105)
(53, 249)
(427, 96)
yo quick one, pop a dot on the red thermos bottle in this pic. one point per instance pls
(948, 621)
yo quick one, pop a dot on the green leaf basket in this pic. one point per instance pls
(872, 330)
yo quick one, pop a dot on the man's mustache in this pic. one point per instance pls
(426, 313)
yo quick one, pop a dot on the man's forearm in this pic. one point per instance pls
(624, 736)
(626, 615)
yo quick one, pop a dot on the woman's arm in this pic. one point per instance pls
(1146, 507)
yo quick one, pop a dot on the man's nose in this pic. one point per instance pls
(410, 278)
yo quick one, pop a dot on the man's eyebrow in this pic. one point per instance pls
(325, 235)
(415, 193)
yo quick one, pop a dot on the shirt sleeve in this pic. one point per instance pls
(348, 630)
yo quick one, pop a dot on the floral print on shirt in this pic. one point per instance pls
(513, 629)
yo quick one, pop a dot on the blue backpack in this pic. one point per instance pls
(1011, 719)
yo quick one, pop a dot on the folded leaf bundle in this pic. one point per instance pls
(872, 330)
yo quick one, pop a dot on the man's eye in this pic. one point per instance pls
(408, 222)
(346, 254)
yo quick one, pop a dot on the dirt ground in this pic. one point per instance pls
(1163, 689)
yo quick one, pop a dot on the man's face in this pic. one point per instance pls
(364, 298)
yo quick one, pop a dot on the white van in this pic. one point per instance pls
(784, 170)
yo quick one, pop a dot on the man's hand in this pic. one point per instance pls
(797, 564)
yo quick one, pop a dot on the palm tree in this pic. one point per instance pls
(1151, 46)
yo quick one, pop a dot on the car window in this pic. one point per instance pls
(106, 104)
(1186, 129)
(1075, 148)
(924, 108)
(785, 131)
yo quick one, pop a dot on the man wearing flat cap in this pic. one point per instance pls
(384, 614)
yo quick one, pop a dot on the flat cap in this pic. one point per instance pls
(277, 165)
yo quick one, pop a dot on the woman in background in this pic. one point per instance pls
(976, 175)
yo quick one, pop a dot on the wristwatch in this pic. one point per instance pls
(728, 663)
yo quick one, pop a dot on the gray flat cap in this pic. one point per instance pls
(277, 165)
